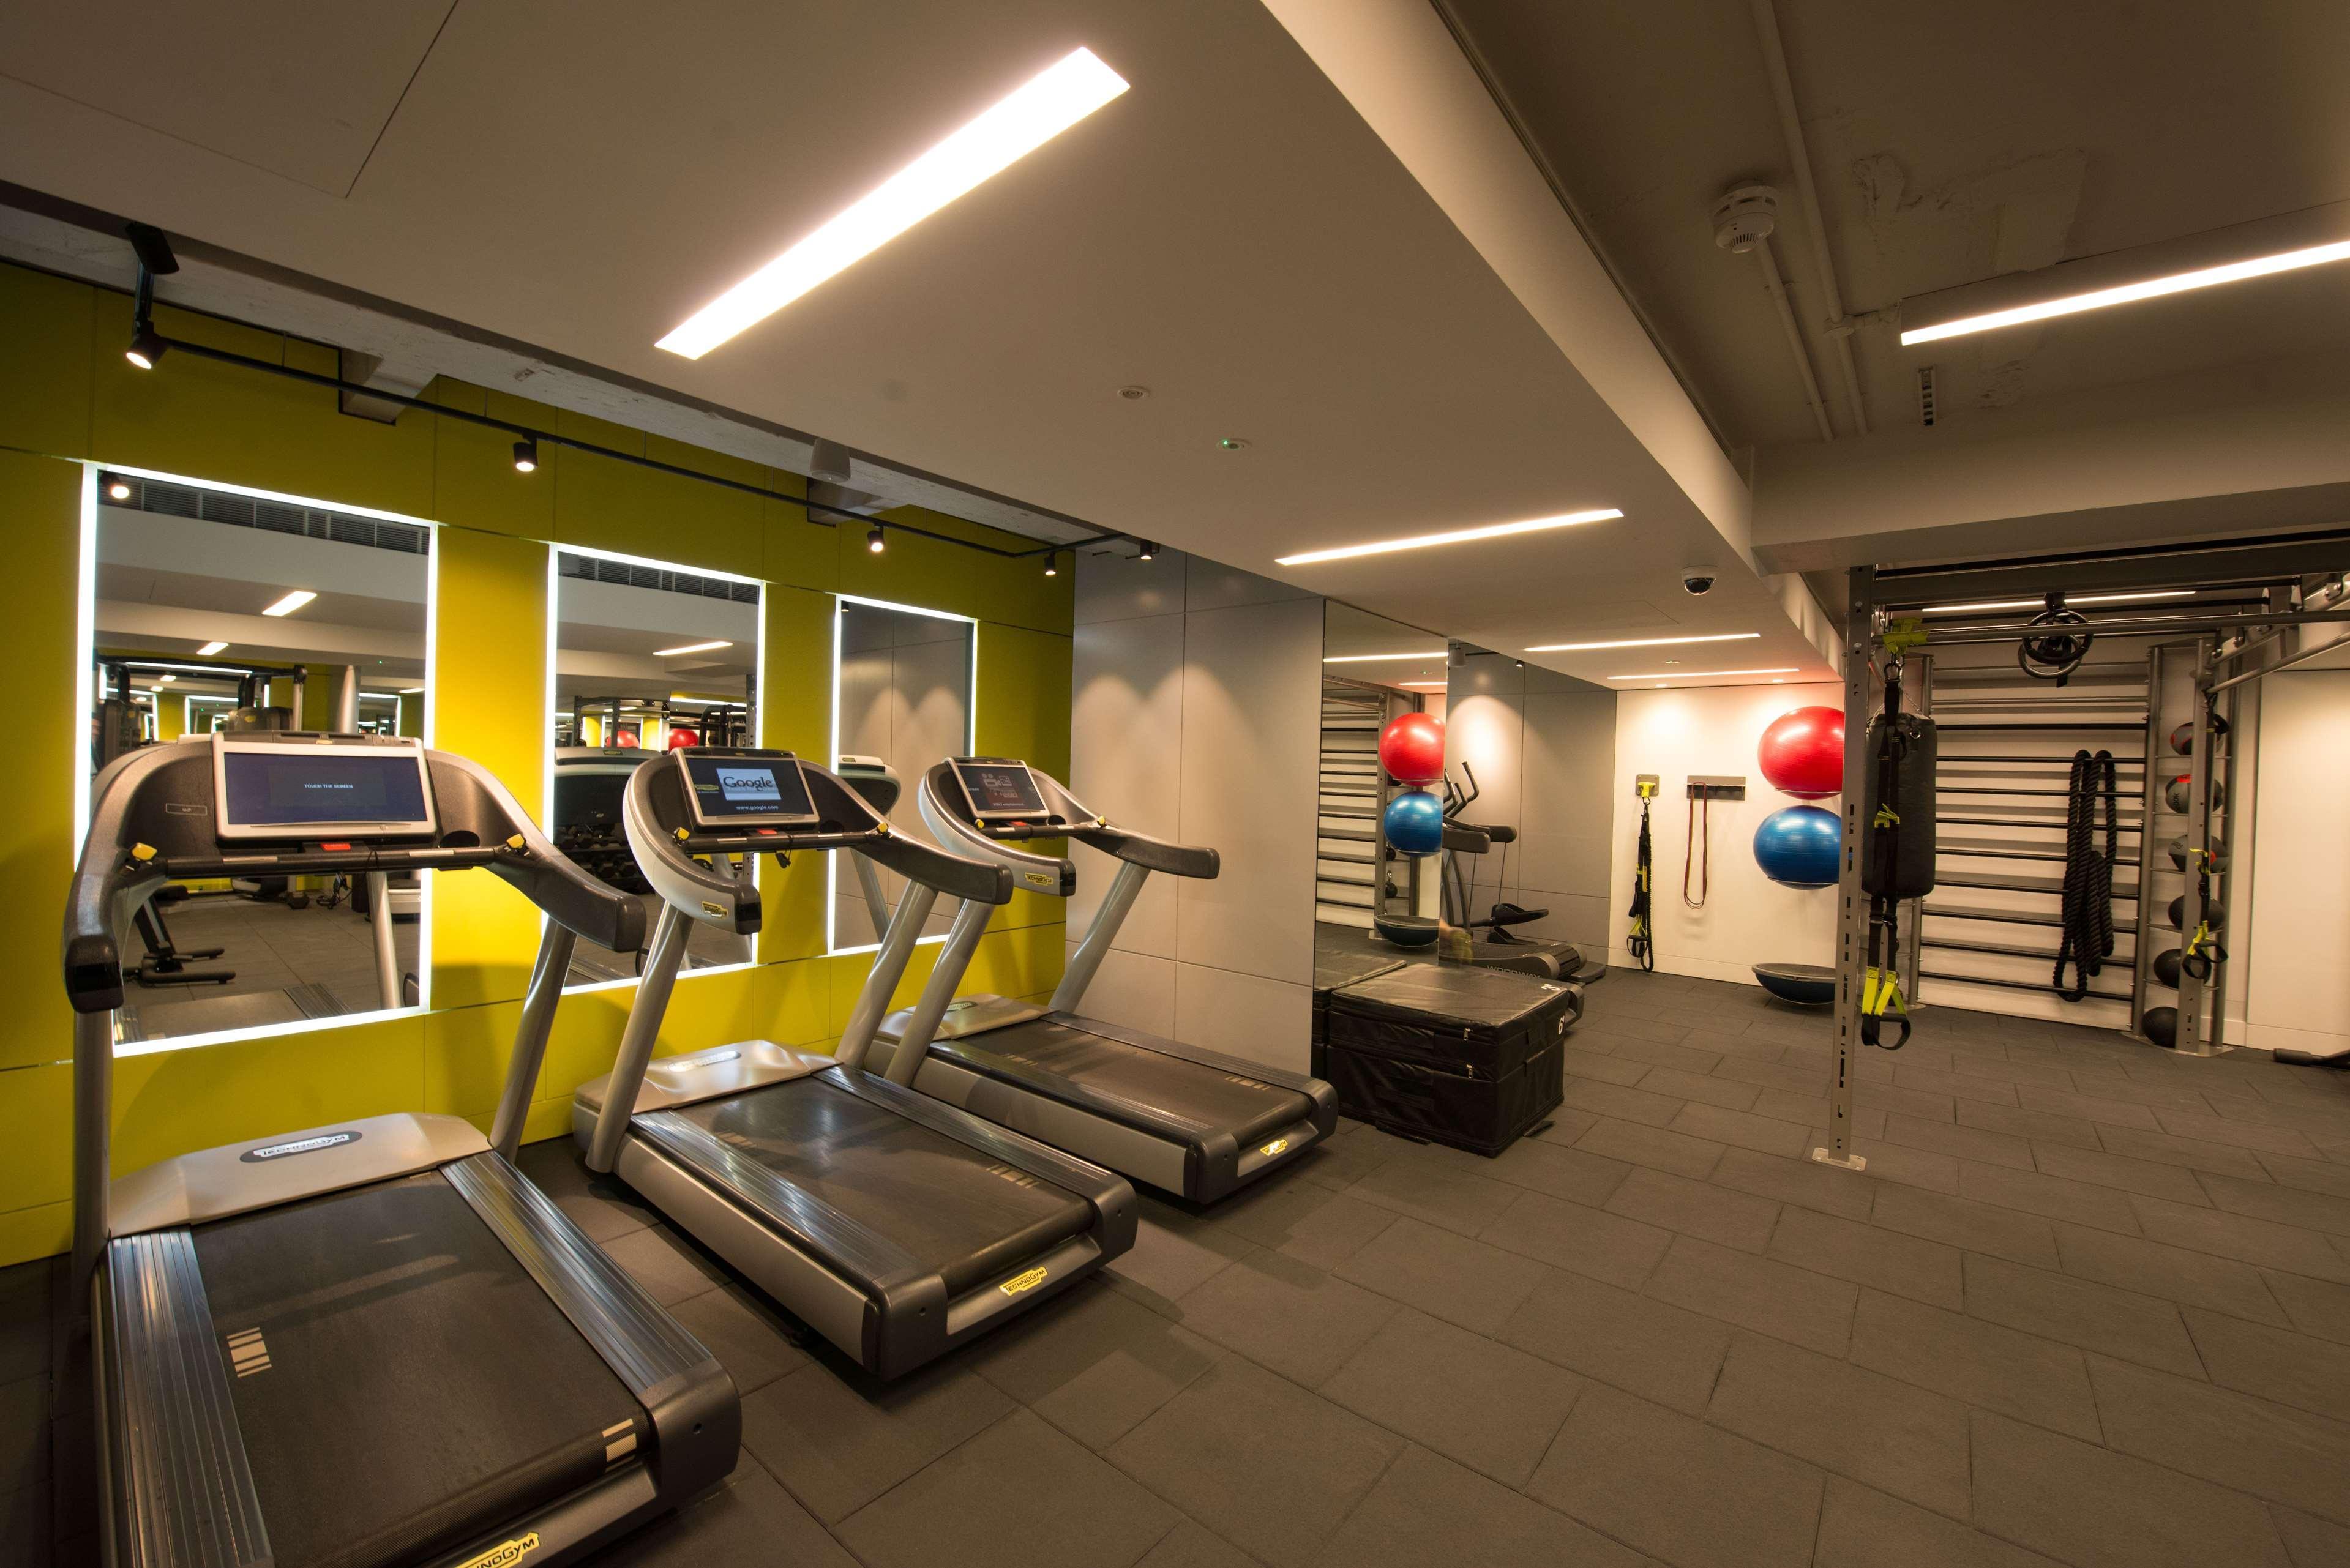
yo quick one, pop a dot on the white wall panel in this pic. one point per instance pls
(2298, 983)
(1246, 1015)
(1133, 989)
(1126, 739)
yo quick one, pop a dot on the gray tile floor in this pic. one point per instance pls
(270, 947)
(2090, 1305)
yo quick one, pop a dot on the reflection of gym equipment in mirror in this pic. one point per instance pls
(1494, 944)
(219, 612)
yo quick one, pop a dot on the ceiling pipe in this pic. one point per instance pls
(1791, 129)
(1743, 220)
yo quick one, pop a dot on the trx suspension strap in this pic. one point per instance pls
(1880, 984)
(2203, 949)
(1641, 943)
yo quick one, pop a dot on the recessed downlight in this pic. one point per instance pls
(1041, 109)
(1453, 536)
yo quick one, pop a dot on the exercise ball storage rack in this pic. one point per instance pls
(2005, 759)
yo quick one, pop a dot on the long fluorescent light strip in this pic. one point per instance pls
(1457, 537)
(291, 602)
(2130, 293)
(1046, 105)
(1379, 657)
(690, 647)
(2041, 602)
(208, 649)
(1639, 642)
(1704, 674)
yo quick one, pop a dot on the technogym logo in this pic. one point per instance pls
(268, 1152)
(505, 1554)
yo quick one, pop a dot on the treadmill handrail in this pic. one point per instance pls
(947, 812)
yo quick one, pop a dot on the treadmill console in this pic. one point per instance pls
(321, 787)
(764, 790)
(999, 789)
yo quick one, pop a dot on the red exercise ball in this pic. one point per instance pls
(1802, 752)
(681, 739)
(625, 738)
(1411, 749)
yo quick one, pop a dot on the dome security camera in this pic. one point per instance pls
(1696, 580)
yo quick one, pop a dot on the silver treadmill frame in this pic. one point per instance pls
(175, 1483)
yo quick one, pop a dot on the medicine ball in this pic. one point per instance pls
(2161, 1026)
(2177, 850)
(2166, 968)
(2215, 914)
(2182, 739)
(2175, 796)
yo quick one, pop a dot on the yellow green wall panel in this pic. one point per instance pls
(66, 392)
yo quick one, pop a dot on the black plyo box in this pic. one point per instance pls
(1465, 1056)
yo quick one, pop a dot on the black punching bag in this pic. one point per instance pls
(1898, 858)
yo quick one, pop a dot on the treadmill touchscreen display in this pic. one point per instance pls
(756, 790)
(342, 794)
(1001, 792)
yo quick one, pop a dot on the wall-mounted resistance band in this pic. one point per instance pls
(1697, 852)
(1642, 944)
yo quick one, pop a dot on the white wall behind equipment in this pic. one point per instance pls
(1196, 717)
(2297, 997)
(1748, 919)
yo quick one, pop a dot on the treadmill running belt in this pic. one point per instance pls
(410, 1386)
(947, 1205)
(1224, 1101)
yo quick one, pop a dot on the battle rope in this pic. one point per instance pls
(1700, 833)
(2088, 910)
(1641, 943)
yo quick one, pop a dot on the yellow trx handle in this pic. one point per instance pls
(1881, 998)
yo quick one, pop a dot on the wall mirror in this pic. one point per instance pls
(648, 658)
(1374, 669)
(215, 609)
(903, 694)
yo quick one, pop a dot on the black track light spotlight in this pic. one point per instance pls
(526, 456)
(1051, 562)
(147, 346)
(873, 540)
(1149, 551)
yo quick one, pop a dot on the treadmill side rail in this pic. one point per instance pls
(696, 1415)
(183, 1488)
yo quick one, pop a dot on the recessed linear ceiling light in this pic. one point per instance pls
(689, 647)
(1701, 674)
(1457, 537)
(291, 602)
(2074, 599)
(2130, 293)
(1046, 106)
(411, 690)
(1639, 642)
(1377, 658)
(208, 649)
(1431, 684)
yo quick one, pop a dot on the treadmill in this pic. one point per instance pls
(895, 1226)
(369, 1343)
(1192, 1121)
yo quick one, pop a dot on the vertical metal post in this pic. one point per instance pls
(2189, 1040)
(876, 902)
(914, 902)
(1917, 697)
(546, 977)
(386, 953)
(2150, 786)
(2220, 967)
(1083, 964)
(637, 1040)
(954, 957)
(1852, 906)
(93, 1154)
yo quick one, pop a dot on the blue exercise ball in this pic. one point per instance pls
(1799, 846)
(1415, 823)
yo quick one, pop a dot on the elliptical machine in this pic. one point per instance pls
(1494, 944)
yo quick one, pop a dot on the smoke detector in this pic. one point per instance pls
(1744, 217)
